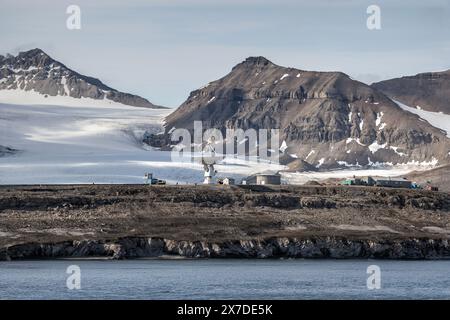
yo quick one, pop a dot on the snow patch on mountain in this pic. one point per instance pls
(378, 122)
(396, 151)
(374, 147)
(349, 140)
(22, 97)
(283, 146)
(321, 161)
(309, 154)
(436, 119)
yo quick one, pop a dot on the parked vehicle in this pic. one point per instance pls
(431, 188)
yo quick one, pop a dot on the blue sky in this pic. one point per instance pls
(163, 49)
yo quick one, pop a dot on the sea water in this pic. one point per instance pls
(224, 279)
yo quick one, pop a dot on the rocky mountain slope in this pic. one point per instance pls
(325, 118)
(429, 91)
(34, 70)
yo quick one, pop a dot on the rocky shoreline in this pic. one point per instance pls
(136, 221)
(322, 248)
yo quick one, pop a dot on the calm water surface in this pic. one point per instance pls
(225, 279)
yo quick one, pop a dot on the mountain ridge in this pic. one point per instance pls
(428, 91)
(326, 118)
(35, 70)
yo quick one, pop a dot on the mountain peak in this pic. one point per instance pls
(35, 58)
(32, 52)
(25, 55)
(34, 70)
(255, 62)
(315, 112)
(260, 60)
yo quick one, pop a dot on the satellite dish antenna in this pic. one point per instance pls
(209, 159)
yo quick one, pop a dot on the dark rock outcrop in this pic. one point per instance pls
(328, 247)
